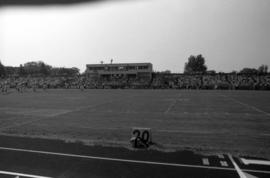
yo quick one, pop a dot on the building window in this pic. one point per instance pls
(121, 68)
(142, 67)
(131, 67)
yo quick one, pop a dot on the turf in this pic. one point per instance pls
(212, 121)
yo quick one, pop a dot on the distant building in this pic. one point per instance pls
(129, 70)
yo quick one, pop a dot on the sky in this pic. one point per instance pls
(230, 34)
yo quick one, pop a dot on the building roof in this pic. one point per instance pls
(118, 64)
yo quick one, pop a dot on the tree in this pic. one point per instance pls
(2, 70)
(62, 71)
(195, 64)
(211, 72)
(21, 70)
(38, 68)
(263, 69)
(75, 71)
(11, 71)
(233, 72)
(44, 69)
(248, 71)
(166, 71)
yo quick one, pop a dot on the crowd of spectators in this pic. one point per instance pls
(219, 81)
(158, 81)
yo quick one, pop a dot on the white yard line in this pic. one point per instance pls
(91, 106)
(256, 171)
(253, 161)
(247, 105)
(21, 174)
(63, 113)
(239, 171)
(170, 106)
(173, 103)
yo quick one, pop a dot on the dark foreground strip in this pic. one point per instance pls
(119, 160)
(130, 161)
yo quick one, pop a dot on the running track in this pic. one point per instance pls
(40, 158)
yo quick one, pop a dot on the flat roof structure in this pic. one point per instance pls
(119, 69)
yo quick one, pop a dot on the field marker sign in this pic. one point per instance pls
(141, 137)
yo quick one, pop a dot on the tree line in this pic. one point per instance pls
(36, 69)
(194, 65)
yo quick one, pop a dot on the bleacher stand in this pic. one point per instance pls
(158, 81)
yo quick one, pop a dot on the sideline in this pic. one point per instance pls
(117, 159)
(130, 161)
(21, 174)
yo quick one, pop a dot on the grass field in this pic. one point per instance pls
(237, 122)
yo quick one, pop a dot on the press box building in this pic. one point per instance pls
(129, 70)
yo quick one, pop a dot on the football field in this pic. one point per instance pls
(236, 122)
